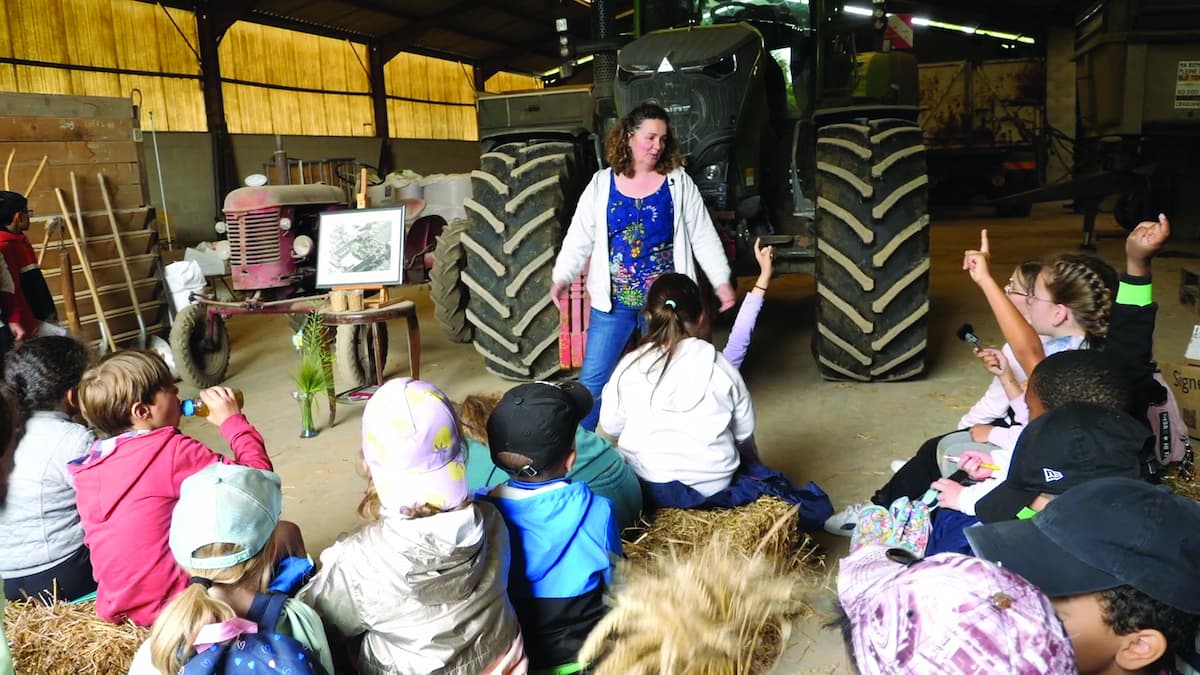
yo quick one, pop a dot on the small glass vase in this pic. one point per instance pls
(307, 429)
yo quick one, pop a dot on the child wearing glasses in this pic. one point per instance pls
(1067, 301)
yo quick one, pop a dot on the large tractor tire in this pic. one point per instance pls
(200, 359)
(445, 282)
(872, 251)
(518, 217)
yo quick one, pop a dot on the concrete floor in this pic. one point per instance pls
(840, 435)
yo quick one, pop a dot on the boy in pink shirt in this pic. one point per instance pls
(127, 485)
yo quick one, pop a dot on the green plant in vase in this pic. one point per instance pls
(315, 374)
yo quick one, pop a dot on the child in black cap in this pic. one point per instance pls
(563, 535)
(1118, 558)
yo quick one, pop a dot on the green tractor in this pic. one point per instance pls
(791, 133)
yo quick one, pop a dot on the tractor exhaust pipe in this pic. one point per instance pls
(604, 66)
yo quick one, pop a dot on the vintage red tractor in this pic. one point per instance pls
(272, 233)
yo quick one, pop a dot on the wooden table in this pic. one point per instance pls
(374, 316)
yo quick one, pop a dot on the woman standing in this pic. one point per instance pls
(637, 220)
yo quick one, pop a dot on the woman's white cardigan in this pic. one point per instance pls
(695, 238)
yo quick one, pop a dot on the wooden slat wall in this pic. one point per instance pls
(432, 84)
(267, 55)
(504, 81)
(88, 135)
(110, 34)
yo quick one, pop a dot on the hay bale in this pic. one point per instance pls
(701, 610)
(769, 525)
(64, 638)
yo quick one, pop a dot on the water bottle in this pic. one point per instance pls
(194, 407)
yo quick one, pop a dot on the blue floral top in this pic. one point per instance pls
(641, 236)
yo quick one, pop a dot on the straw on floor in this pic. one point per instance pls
(62, 638)
(709, 609)
(768, 524)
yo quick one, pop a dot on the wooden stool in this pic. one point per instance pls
(374, 316)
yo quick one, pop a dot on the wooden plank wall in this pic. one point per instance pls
(268, 55)
(504, 81)
(88, 135)
(427, 79)
(108, 34)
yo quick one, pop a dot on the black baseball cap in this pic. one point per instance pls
(537, 420)
(1107, 533)
(1068, 446)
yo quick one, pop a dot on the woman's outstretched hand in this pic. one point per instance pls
(975, 262)
(556, 290)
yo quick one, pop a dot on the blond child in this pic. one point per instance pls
(129, 481)
(224, 533)
(425, 582)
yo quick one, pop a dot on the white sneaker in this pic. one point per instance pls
(898, 464)
(843, 523)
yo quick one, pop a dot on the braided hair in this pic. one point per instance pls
(1086, 285)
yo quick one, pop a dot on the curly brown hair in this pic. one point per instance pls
(474, 411)
(616, 145)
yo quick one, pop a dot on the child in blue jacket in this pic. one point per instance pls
(563, 536)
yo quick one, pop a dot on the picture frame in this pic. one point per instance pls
(361, 247)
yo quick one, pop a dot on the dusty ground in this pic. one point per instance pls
(840, 435)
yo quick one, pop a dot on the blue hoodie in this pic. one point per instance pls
(563, 540)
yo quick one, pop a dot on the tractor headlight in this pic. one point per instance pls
(713, 172)
(302, 246)
(220, 227)
(285, 223)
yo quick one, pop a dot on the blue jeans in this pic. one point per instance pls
(607, 335)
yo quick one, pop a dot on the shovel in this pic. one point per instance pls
(68, 293)
(145, 340)
(106, 340)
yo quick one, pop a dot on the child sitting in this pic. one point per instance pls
(223, 534)
(425, 581)
(11, 430)
(948, 614)
(1070, 304)
(41, 539)
(597, 462)
(682, 423)
(680, 409)
(562, 534)
(129, 481)
(1117, 557)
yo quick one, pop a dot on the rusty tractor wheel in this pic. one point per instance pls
(200, 359)
(355, 355)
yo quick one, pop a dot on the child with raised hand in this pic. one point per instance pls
(1070, 305)
(41, 538)
(224, 536)
(424, 583)
(1117, 557)
(128, 482)
(564, 536)
(679, 410)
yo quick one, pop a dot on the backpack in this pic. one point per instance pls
(263, 652)
(1171, 443)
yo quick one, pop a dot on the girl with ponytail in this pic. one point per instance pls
(224, 535)
(679, 411)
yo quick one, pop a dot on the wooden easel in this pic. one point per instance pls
(381, 297)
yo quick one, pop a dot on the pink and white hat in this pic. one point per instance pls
(412, 447)
(948, 613)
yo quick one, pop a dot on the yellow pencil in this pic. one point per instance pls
(989, 467)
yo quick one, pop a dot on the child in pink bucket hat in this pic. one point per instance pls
(425, 580)
(944, 615)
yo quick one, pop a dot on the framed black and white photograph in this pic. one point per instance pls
(361, 247)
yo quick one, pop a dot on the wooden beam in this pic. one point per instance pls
(224, 171)
(375, 63)
(393, 43)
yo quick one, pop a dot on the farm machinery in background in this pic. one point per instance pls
(1137, 147)
(792, 132)
(272, 232)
